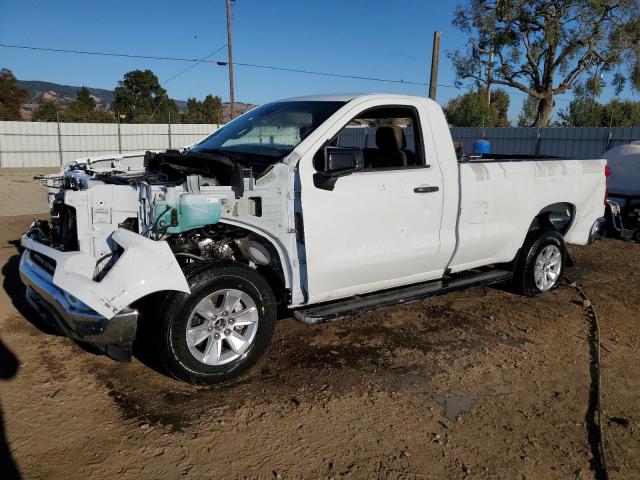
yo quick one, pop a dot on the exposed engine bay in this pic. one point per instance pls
(170, 196)
(172, 168)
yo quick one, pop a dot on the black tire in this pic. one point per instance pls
(176, 311)
(524, 274)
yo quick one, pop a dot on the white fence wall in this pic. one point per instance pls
(557, 142)
(49, 144)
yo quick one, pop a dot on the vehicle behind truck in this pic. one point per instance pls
(323, 207)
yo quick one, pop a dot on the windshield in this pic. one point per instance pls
(268, 133)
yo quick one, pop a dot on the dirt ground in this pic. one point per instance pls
(477, 384)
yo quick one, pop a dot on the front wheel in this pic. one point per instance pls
(541, 263)
(220, 329)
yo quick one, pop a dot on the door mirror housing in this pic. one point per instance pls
(338, 162)
(342, 159)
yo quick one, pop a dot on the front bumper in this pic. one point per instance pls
(75, 319)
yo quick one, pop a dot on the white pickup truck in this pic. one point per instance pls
(324, 205)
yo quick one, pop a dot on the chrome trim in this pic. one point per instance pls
(70, 313)
(596, 230)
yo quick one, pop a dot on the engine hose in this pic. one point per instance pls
(595, 430)
(155, 224)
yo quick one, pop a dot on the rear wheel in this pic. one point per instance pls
(541, 263)
(220, 329)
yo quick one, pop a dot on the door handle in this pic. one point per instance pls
(425, 189)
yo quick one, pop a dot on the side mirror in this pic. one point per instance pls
(338, 162)
(340, 159)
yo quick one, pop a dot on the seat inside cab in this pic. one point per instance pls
(388, 137)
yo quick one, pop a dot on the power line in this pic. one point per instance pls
(252, 65)
(182, 59)
(202, 60)
(356, 77)
(338, 75)
(103, 54)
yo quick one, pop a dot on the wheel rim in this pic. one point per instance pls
(547, 267)
(222, 327)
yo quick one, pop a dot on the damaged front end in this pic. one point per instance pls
(118, 234)
(66, 290)
(105, 246)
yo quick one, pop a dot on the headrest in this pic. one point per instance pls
(390, 138)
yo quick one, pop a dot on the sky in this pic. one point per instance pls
(389, 39)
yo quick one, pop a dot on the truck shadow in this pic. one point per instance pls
(143, 349)
(16, 290)
(9, 365)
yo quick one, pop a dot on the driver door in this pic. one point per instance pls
(379, 227)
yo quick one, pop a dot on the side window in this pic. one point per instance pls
(388, 136)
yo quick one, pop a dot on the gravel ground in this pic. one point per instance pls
(20, 194)
(476, 384)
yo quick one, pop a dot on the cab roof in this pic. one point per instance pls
(345, 97)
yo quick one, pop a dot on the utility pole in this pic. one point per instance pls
(230, 50)
(435, 57)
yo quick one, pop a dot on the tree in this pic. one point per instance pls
(587, 112)
(12, 96)
(207, 111)
(77, 112)
(80, 109)
(212, 109)
(582, 112)
(471, 110)
(83, 97)
(46, 111)
(622, 113)
(627, 41)
(527, 117)
(83, 109)
(543, 47)
(141, 99)
(193, 113)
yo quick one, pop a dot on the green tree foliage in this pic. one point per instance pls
(527, 117)
(212, 109)
(83, 109)
(207, 111)
(587, 112)
(194, 112)
(544, 47)
(77, 112)
(83, 97)
(12, 97)
(46, 111)
(141, 99)
(471, 110)
(626, 40)
(582, 112)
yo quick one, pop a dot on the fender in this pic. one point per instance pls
(273, 240)
(146, 266)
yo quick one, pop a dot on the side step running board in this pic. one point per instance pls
(362, 303)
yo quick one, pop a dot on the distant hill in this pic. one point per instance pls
(63, 94)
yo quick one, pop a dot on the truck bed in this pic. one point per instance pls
(500, 196)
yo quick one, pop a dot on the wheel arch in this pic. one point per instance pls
(281, 284)
(556, 216)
